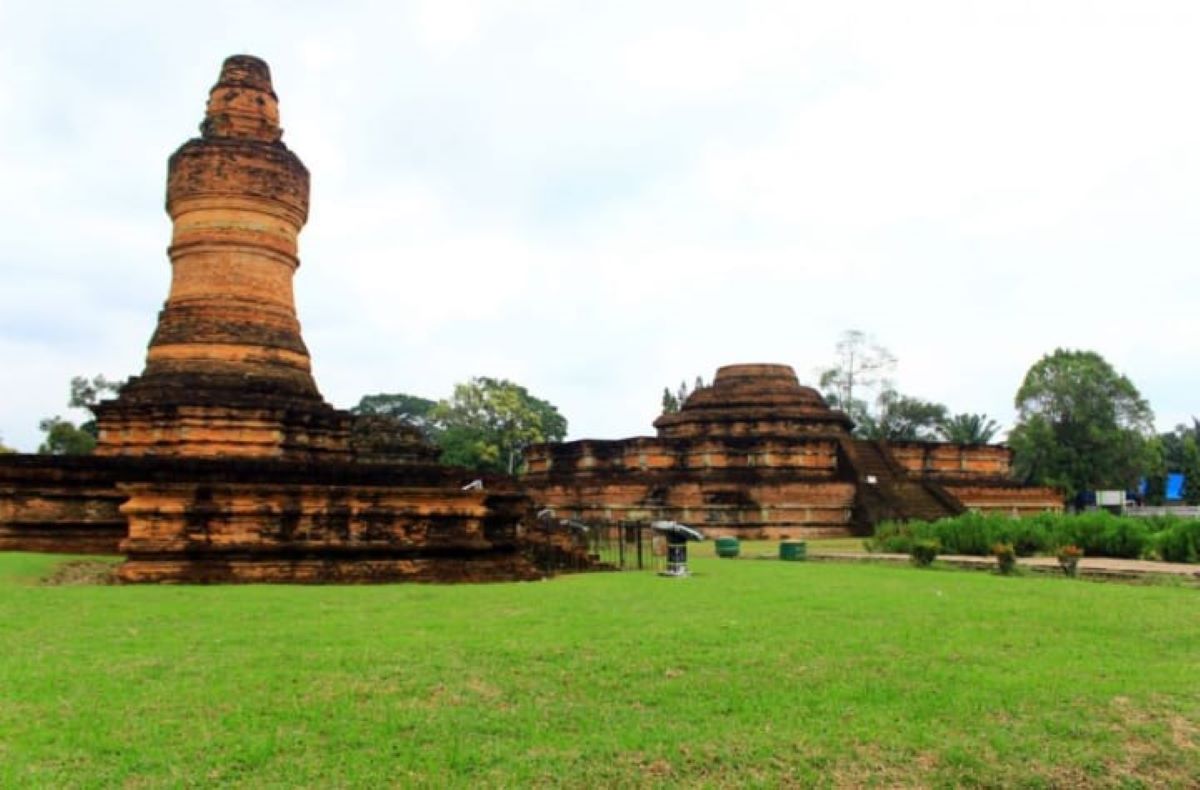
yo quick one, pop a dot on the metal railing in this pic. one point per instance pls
(1146, 511)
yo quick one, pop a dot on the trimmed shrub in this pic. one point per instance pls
(1068, 559)
(924, 552)
(1006, 558)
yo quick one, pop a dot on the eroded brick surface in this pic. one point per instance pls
(759, 455)
(227, 372)
(221, 462)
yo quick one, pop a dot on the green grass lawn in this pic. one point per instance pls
(747, 673)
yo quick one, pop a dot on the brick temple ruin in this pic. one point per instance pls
(758, 455)
(221, 462)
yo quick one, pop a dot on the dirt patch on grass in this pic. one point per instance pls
(1183, 733)
(1157, 747)
(82, 572)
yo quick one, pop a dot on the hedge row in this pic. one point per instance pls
(1098, 533)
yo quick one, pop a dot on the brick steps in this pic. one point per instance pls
(908, 499)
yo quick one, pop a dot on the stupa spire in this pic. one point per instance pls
(227, 372)
(243, 103)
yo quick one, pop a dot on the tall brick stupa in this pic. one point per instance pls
(227, 373)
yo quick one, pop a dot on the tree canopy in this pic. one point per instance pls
(1081, 424)
(672, 402)
(1173, 444)
(64, 437)
(968, 429)
(1190, 466)
(902, 418)
(410, 409)
(487, 424)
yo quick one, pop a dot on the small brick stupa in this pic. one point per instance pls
(753, 400)
(227, 373)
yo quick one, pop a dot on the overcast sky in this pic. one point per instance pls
(599, 199)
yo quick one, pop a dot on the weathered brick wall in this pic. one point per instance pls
(940, 458)
(813, 456)
(293, 531)
(1012, 499)
(766, 507)
(56, 504)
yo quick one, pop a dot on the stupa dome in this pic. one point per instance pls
(752, 400)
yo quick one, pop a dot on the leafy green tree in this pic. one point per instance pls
(1190, 467)
(1156, 471)
(409, 409)
(5, 449)
(902, 418)
(670, 403)
(673, 401)
(968, 429)
(1081, 425)
(1173, 443)
(488, 423)
(64, 437)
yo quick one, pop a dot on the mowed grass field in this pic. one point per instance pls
(759, 673)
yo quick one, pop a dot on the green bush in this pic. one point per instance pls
(970, 533)
(1096, 533)
(893, 537)
(1101, 534)
(1179, 542)
(1027, 538)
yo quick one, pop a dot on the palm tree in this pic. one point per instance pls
(968, 429)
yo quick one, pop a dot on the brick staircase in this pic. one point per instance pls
(894, 494)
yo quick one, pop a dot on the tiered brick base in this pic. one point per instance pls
(288, 527)
(229, 520)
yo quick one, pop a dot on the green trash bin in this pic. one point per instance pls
(728, 547)
(793, 550)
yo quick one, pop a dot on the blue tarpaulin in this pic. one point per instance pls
(1174, 487)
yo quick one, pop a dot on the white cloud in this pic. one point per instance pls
(599, 201)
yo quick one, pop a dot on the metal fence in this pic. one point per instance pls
(1146, 511)
(626, 546)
